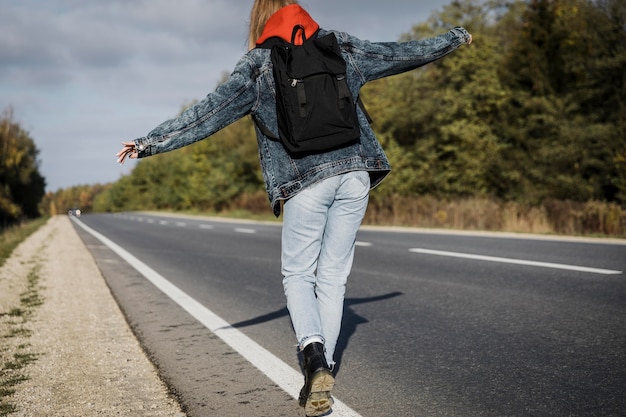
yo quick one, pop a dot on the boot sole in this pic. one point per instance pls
(319, 400)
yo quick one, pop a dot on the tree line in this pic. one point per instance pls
(533, 113)
(21, 185)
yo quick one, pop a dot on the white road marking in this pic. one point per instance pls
(181, 224)
(358, 243)
(278, 371)
(242, 230)
(516, 261)
(205, 226)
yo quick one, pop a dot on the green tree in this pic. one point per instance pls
(21, 185)
(225, 166)
(563, 122)
(446, 115)
(208, 175)
(80, 196)
(533, 111)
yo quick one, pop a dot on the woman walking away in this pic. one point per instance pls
(324, 193)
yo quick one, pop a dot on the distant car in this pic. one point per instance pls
(74, 212)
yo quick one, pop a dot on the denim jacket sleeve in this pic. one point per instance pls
(375, 60)
(229, 102)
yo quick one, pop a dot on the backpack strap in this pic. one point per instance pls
(343, 90)
(299, 87)
(364, 110)
(294, 32)
(264, 129)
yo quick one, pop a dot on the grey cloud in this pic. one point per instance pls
(108, 34)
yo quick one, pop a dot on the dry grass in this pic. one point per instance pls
(592, 218)
(14, 333)
(14, 235)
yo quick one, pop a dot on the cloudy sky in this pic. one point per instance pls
(83, 75)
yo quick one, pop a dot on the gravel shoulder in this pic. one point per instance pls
(72, 351)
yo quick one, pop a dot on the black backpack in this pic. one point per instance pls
(314, 106)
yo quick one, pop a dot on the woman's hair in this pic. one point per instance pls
(261, 12)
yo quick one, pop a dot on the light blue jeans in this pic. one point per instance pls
(320, 224)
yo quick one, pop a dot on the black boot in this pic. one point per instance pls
(318, 381)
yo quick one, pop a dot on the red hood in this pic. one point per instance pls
(282, 22)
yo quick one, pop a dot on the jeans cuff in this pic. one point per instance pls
(311, 339)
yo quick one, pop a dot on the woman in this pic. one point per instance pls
(324, 195)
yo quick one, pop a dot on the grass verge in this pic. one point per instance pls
(15, 352)
(13, 236)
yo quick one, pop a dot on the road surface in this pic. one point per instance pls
(435, 324)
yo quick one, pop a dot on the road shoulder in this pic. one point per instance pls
(88, 362)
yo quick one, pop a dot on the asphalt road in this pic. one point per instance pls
(435, 324)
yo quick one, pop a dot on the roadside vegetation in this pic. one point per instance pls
(15, 353)
(21, 185)
(523, 131)
(11, 237)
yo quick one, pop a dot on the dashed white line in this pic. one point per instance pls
(358, 243)
(516, 261)
(243, 230)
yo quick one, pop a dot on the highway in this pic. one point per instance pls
(435, 324)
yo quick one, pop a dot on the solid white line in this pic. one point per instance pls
(278, 371)
(516, 261)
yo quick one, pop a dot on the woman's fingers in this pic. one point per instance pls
(127, 151)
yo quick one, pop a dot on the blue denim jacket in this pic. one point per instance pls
(249, 90)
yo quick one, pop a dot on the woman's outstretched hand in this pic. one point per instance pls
(128, 150)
